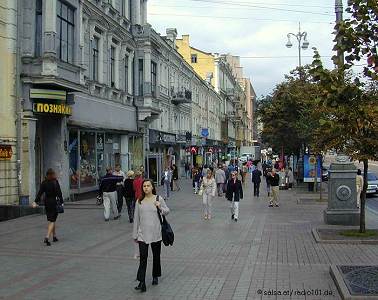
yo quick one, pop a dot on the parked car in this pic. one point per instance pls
(372, 183)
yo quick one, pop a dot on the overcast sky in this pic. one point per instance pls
(255, 30)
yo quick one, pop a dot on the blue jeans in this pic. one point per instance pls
(167, 188)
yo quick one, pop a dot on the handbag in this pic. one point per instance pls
(200, 192)
(59, 206)
(167, 234)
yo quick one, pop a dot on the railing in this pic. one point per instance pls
(179, 97)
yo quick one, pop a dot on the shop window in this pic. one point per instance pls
(74, 159)
(88, 172)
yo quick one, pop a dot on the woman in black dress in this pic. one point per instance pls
(51, 189)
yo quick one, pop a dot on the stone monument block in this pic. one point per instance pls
(342, 195)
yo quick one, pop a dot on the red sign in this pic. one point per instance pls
(193, 150)
(6, 152)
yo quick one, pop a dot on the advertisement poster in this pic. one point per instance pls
(309, 168)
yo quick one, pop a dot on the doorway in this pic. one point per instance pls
(154, 166)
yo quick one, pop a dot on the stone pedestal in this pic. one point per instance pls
(342, 196)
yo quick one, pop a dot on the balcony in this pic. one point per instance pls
(181, 97)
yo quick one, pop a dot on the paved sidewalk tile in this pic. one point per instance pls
(268, 254)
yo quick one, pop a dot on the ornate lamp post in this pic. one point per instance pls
(302, 42)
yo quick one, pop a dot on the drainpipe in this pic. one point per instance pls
(18, 101)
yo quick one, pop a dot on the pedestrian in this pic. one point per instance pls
(196, 179)
(220, 179)
(267, 179)
(147, 231)
(130, 194)
(175, 178)
(359, 186)
(256, 179)
(167, 179)
(137, 185)
(50, 188)
(274, 180)
(108, 191)
(120, 188)
(290, 176)
(187, 170)
(244, 171)
(233, 194)
(208, 186)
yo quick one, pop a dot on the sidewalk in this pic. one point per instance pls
(269, 250)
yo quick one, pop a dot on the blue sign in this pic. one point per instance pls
(205, 132)
(309, 163)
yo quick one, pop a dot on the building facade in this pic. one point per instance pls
(9, 104)
(77, 91)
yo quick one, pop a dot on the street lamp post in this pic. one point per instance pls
(302, 42)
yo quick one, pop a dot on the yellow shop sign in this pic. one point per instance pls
(60, 109)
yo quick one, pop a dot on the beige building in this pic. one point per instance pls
(8, 103)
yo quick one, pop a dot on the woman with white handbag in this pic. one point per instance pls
(208, 188)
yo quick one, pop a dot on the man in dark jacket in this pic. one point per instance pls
(108, 191)
(274, 180)
(256, 179)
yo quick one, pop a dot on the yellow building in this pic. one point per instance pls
(202, 62)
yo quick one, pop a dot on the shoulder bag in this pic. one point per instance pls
(167, 234)
(59, 206)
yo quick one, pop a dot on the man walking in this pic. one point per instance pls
(220, 179)
(274, 180)
(108, 192)
(167, 179)
(120, 189)
(256, 179)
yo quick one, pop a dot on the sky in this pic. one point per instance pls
(255, 30)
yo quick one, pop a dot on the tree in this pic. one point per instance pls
(285, 114)
(358, 36)
(348, 122)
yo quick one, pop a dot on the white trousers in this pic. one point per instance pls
(359, 190)
(206, 201)
(235, 209)
(110, 201)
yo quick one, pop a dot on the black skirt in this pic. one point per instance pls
(50, 207)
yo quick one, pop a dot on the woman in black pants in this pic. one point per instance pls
(147, 231)
(51, 189)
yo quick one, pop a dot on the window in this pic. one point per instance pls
(95, 43)
(153, 78)
(38, 28)
(112, 65)
(194, 58)
(123, 7)
(65, 32)
(126, 74)
(140, 76)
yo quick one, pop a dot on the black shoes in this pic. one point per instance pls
(232, 216)
(55, 239)
(46, 241)
(141, 287)
(155, 281)
(117, 217)
(235, 219)
(131, 220)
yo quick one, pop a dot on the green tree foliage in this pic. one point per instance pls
(357, 36)
(285, 114)
(348, 117)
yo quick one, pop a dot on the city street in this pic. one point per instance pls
(269, 251)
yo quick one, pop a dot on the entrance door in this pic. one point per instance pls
(154, 166)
